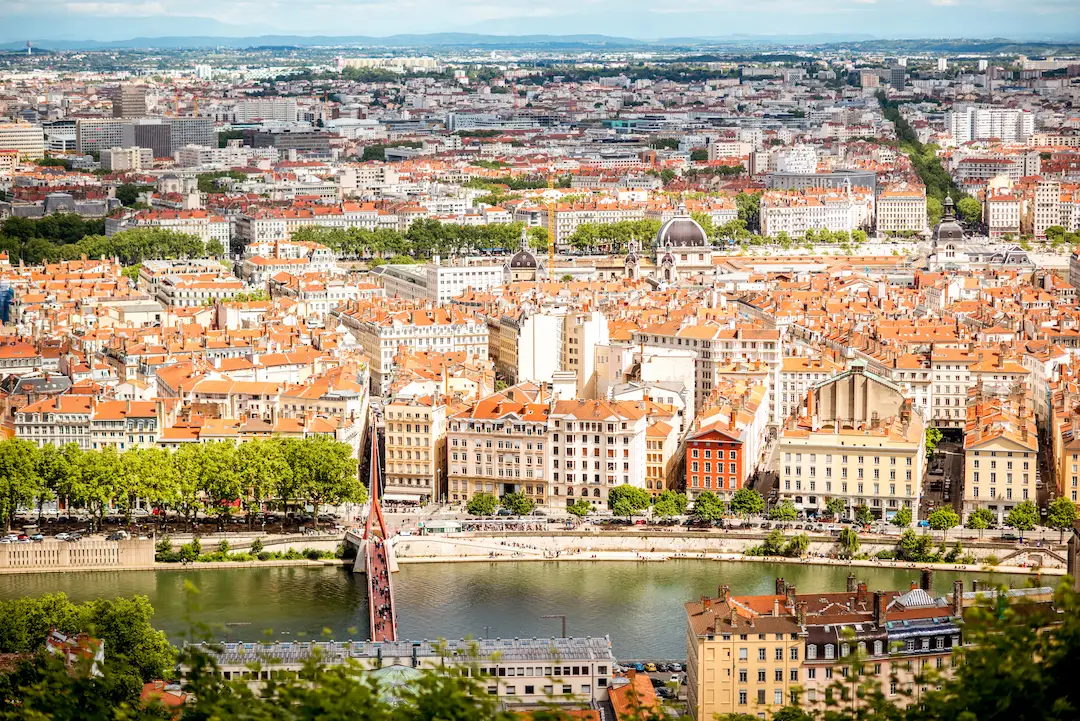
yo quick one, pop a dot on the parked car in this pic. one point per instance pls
(62, 536)
(639, 667)
(37, 538)
(677, 667)
(650, 667)
(674, 678)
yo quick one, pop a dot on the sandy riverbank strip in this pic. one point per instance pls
(215, 565)
(658, 557)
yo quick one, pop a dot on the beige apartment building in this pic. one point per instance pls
(1001, 448)
(499, 446)
(859, 441)
(415, 449)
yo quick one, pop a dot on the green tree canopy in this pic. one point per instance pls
(863, 516)
(943, 519)
(580, 508)
(1023, 517)
(835, 507)
(1061, 514)
(981, 519)
(747, 502)
(670, 503)
(708, 506)
(848, 541)
(482, 504)
(783, 511)
(637, 499)
(902, 517)
(518, 503)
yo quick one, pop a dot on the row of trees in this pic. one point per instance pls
(130, 247)
(209, 477)
(425, 238)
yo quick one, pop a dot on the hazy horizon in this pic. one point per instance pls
(114, 20)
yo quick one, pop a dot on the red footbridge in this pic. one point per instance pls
(374, 556)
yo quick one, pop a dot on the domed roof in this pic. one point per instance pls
(523, 260)
(948, 229)
(682, 231)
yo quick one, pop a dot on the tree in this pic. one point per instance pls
(943, 519)
(262, 469)
(914, 546)
(128, 193)
(699, 155)
(518, 503)
(482, 504)
(902, 517)
(981, 519)
(20, 483)
(970, 210)
(934, 209)
(1061, 515)
(580, 508)
(863, 516)
(1022, 517)
(670, 503)
(783, 511)
(797, 546)
(933, 437)
(708, 506)
(324, 471)
(835, 507)
(215, 248)
(848, 542)
(747, 502)
(637, 499)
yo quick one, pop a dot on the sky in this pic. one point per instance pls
(646, 19)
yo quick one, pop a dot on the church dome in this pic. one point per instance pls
(523, 260)
(682, 231)
(948, 229)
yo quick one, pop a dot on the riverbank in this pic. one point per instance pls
(211, 565)
(652, 557)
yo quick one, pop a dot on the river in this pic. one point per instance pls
(639, 605)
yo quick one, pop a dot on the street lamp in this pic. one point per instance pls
(561, 616)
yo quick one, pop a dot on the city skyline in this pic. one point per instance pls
(1043, 20)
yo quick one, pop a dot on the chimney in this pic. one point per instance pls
(723, 593)
(732, 617)
(913, 586)
(852, 583)
(800, 614)
(926, 580)
(776, 607)
(861, 593)
(879, 608)
(781, 586)
(957, 598)
(790, 595)
(706, 603)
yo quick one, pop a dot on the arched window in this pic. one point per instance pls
(811, 652)
(830, 651)
(877, 648)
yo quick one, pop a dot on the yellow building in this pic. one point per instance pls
(743, 655)
(1001, 447)
(415, 449)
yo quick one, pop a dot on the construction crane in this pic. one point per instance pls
(551, 227)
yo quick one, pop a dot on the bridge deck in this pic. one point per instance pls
(381, 611)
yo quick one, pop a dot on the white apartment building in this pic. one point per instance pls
(569, 216)
(1001, 212)
(232, 156)
(797, 376)
(950, 373)
(796, 212)
(281, 109)
(27, 139)
(901, 210)
(801, 159)
(1010, 125)
(57, 421)
(582, 333)
(428, 329)
(117, 159)
(595, 446)
(715, 346)
(1047, 209)
(530, 345)
(437, 281)
(196, 291)
(201, 223)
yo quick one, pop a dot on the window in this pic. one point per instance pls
(794, 653)
(778, 675)
(761, 675)
(761, 654)
(811, 652)
(761, 696)
(742, 654)
(742, 675)
(779, 653)
(778, 697)
(811, 674)
(742, 698)
(829, 651)
(794, 674)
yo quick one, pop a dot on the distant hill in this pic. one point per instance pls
(479, 40)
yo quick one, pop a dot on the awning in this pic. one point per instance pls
(401, 497)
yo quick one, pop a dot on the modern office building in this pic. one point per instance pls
(128, 100)
(897, 78)
(28, 140)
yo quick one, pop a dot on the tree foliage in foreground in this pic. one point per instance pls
(1017, 662)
